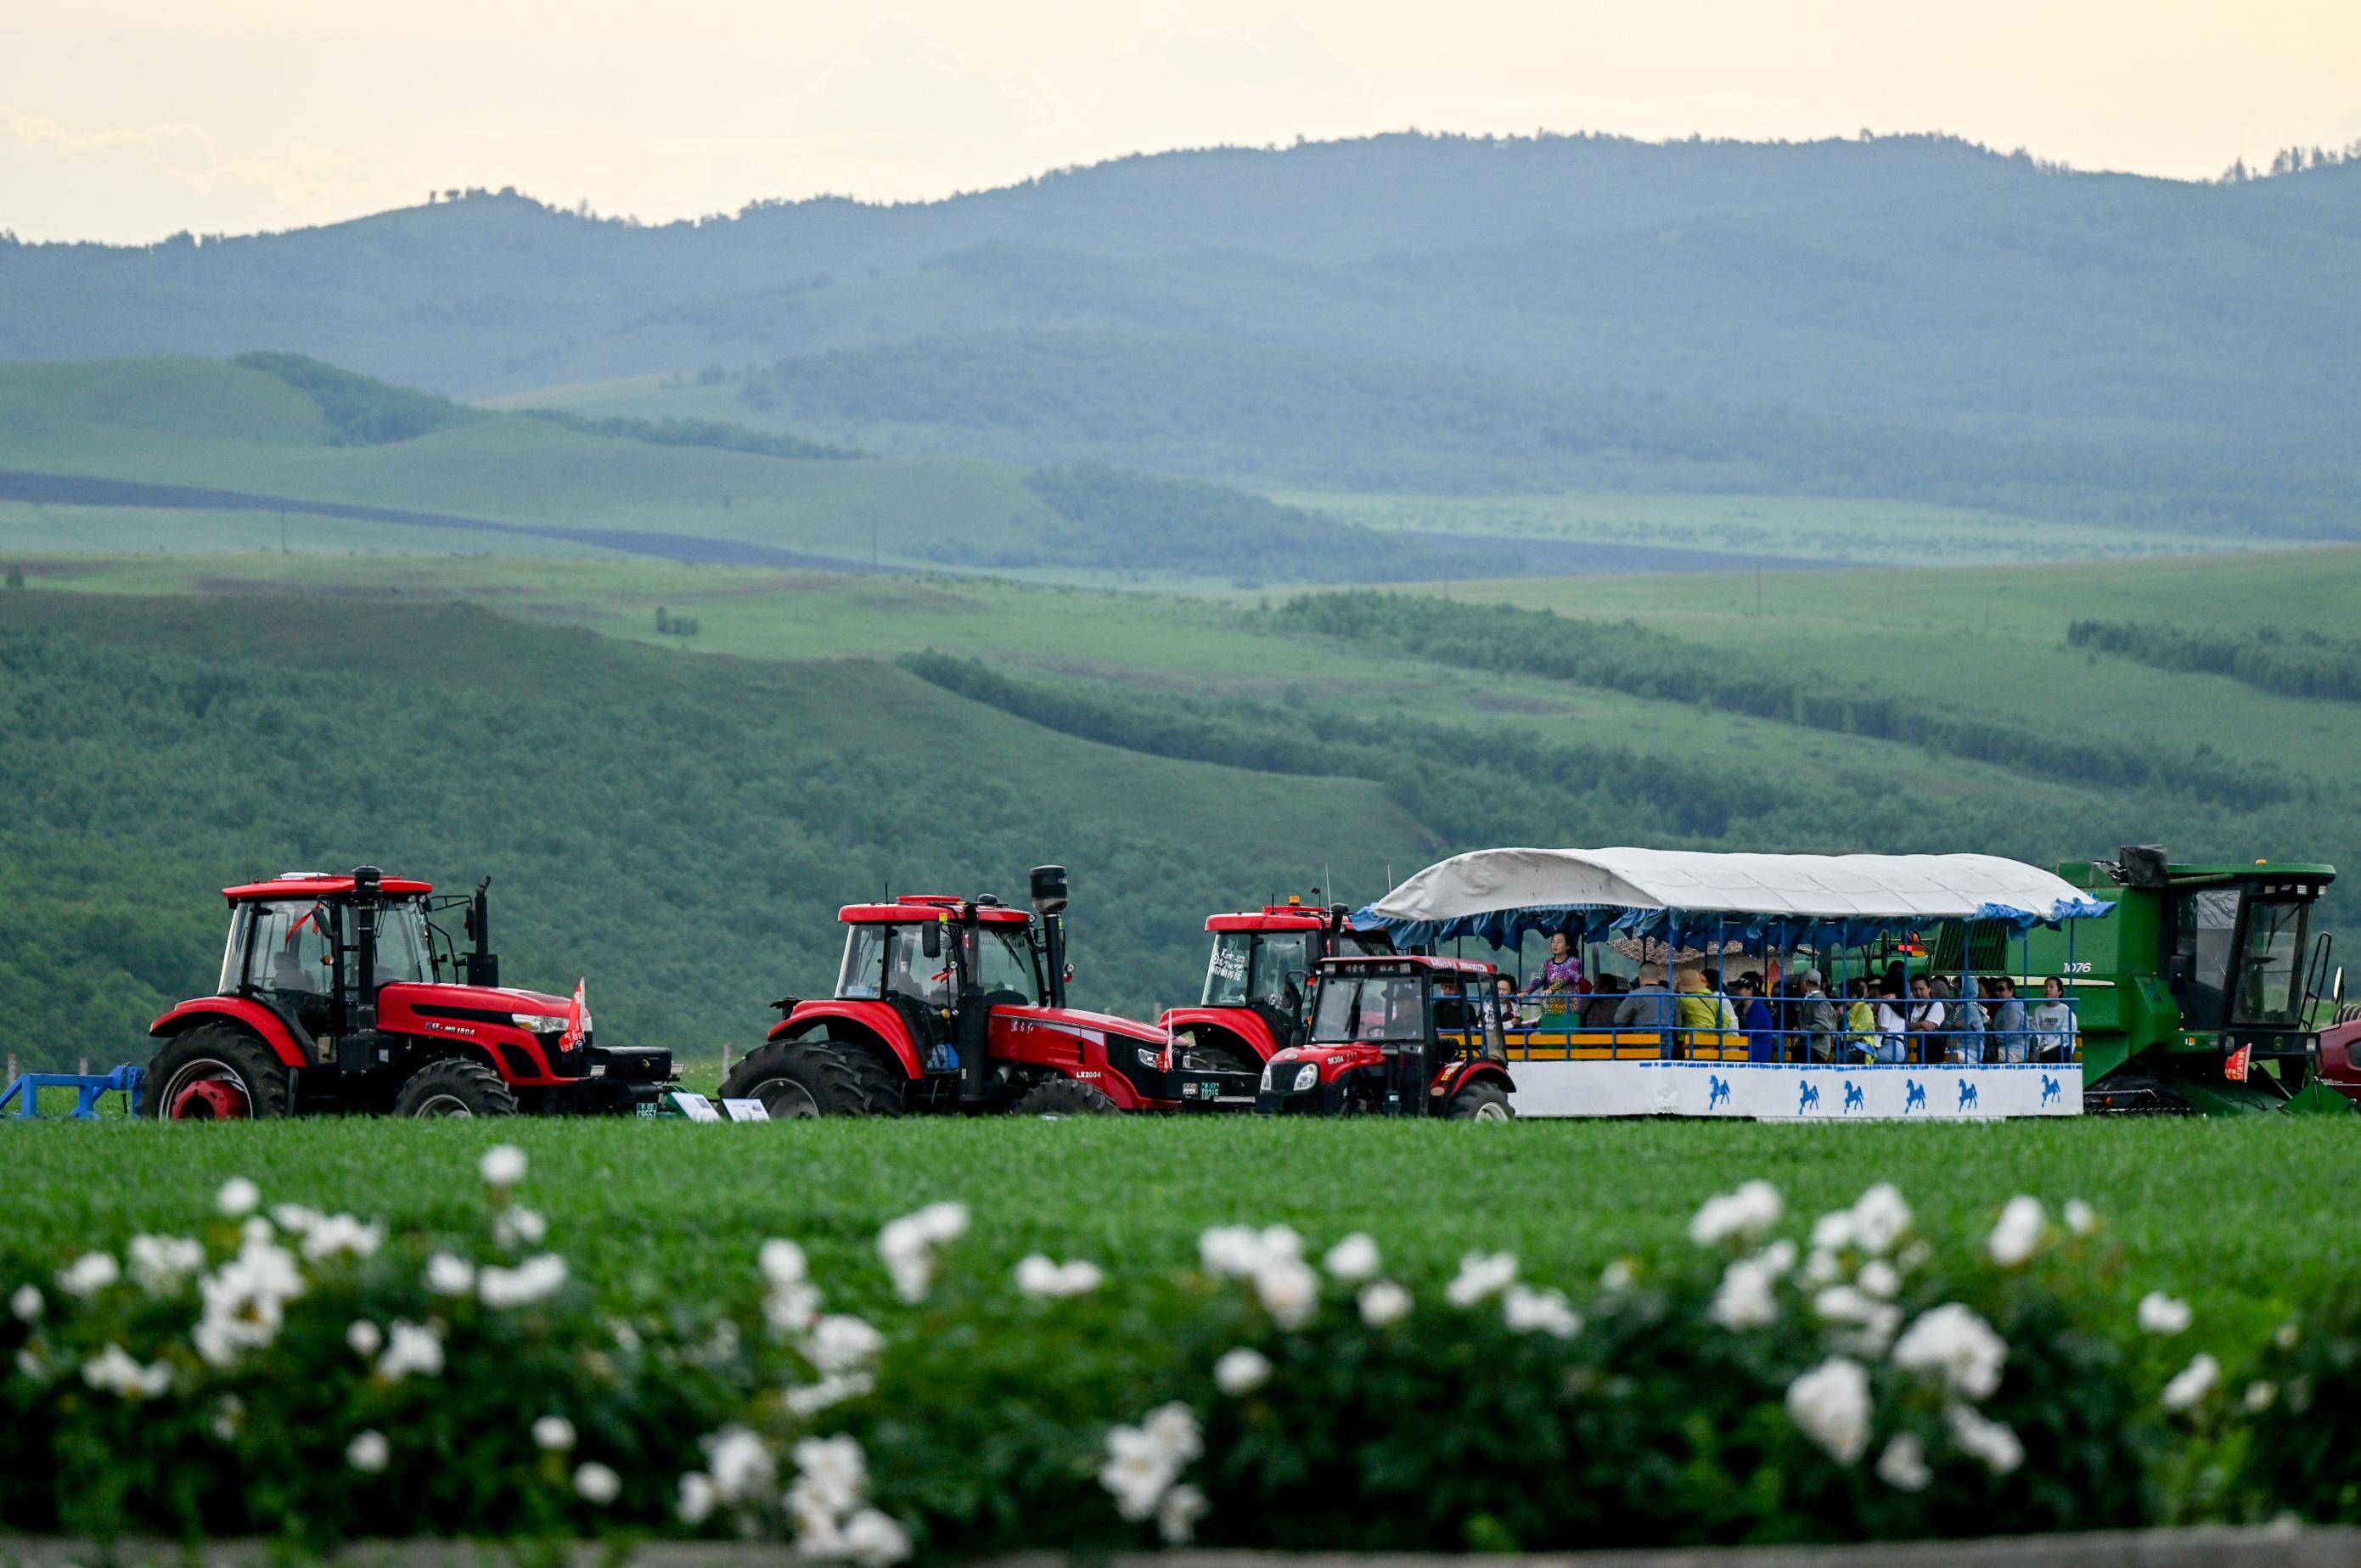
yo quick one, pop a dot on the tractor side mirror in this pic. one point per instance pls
(1068, 975)
(467, 922)
(931, 940)
(2336, 987)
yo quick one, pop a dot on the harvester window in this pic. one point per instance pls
(2268, 968)
(1379, 1007)
(1226, 976)
(2207, 923)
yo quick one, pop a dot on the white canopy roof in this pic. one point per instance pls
(1789, 888)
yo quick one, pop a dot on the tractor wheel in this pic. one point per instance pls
(215, 1072)
(799, 1079)
(1066, 1097)
(1482, 1102)
(456, 1087)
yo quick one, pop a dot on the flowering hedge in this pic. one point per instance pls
(307, 1376)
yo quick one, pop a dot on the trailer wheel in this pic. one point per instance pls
(796, 1080)
(1066, 1097)
(1482, 1102)
(246, 1077)
(457, 1087)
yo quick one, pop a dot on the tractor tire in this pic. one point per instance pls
(1066, 1097)
(216, 1054)
(1481, 1101)
(456, 1087)
(796, 1080)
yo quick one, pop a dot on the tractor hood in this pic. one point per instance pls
(1076, 1018)
(1334, 1059)
(480, 998)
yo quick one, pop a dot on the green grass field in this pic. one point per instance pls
(2247, 1219)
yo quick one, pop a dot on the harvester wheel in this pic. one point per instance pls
(1482, 1102)
(1066, 1097)
(457, 1087)
(247, 1074)
(799, 1079)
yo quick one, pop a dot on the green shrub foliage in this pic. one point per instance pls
(2304, 664)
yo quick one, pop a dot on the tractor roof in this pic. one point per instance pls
(1294, 916)
(2260, 871)
(1410, 961)
(929, 907)
(317, 884)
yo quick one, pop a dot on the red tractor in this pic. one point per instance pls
(959, 1005)
(1261, 966)
(334, 998)
(1396, 1033)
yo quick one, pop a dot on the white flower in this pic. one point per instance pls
(2014, 1239)
(1830, 1404)
(295, 1217)
(1777, 1258)
(113, 1371)
(2286, 1336)
(1832, 1231)
(1981, 1438)
(1527, 1310)
(740, 1467)
(2192, 1383)
(840, 1343)
(1879, 1278)
(2080, 1217)
(1618, 1277)
(1823, 1267)
(88, 1275)
(552, 1433)
(1744, 1299)
(2260, 1396)
(502, 1166)
(367, 1453)
(695, 1502)
(341, 1235)
(411, 1348)
(1480, 1274)
(237, 1198)
(529, 1281)
(810, 1398)
(1173, 1430)
(26, 1303)
(1903, 1465)
(228, 1416)
(1354, 1260)
(1952, 1340)
(1177, 1515)
(831, 1475)
(160, 1263)
(1843, 1304)
(875, 1539)
(791, 1309)
(245, 1301)
(519, 1226)
(1741, 1215)
(1039, 1276)
(1879, 1218)
(940, 1224)
(447, 1275)
(907, 1245)
(596, 1484)
(2161, 1314)
(1135, 1474)
(1241, 1371)
(1289, 1290)
(1229, 1251)
(365, 1338)
(1384, 1303)
(783, 1262)
(31, 1367)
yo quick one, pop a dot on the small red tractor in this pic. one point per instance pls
(1395, 1033)
(1261, 966)
(334, 998)
(959, 1005)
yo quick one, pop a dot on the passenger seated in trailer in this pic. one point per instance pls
(1701, 1011)
(1598, 1008)
(1968, 1021)
(1924, 1025)
(2010, 1043)
(1892, 1023)
(2057, 1036)
(1754, 1017)
(1501, 1005)
(1860, 1022)
(1817, 1025)
(1649, 1005)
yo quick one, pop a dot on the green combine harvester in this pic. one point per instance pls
(2206, 992)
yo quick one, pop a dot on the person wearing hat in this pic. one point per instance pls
(1819, 1021)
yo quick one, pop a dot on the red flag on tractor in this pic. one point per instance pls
(2234, 1070)
(577, 1020)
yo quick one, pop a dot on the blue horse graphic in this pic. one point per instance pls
(1718, 1091)
(1853, 1100)
(1913, 1096)
(1808, 1099)
(2049, 1089)
(1968, 1100)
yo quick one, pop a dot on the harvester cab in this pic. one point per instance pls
(1396, 1033)
(959, 1005)
(344, 993)
(1258, 978)
(2207, 991)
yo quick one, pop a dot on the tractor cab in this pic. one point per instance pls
(345, 993)
(1400, 1034)
(1257, 976)
(950, 1004)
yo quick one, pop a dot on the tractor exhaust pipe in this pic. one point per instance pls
(483, 964)
(365, 903)
(1050, 899)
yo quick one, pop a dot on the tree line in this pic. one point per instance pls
(2303, 665)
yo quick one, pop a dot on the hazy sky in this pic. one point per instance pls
(129, 119)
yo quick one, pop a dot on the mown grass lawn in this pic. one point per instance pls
(2246, 1218)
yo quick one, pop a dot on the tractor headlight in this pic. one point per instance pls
(541, 1023)
(1306, 1076)
(1270, 1074)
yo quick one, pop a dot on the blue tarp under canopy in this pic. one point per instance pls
(1691, 898)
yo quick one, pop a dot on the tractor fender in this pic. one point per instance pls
(2340, 1057)
(247, 1015)
(872, 1023)
(1459, 1075)
(1243, 1025)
